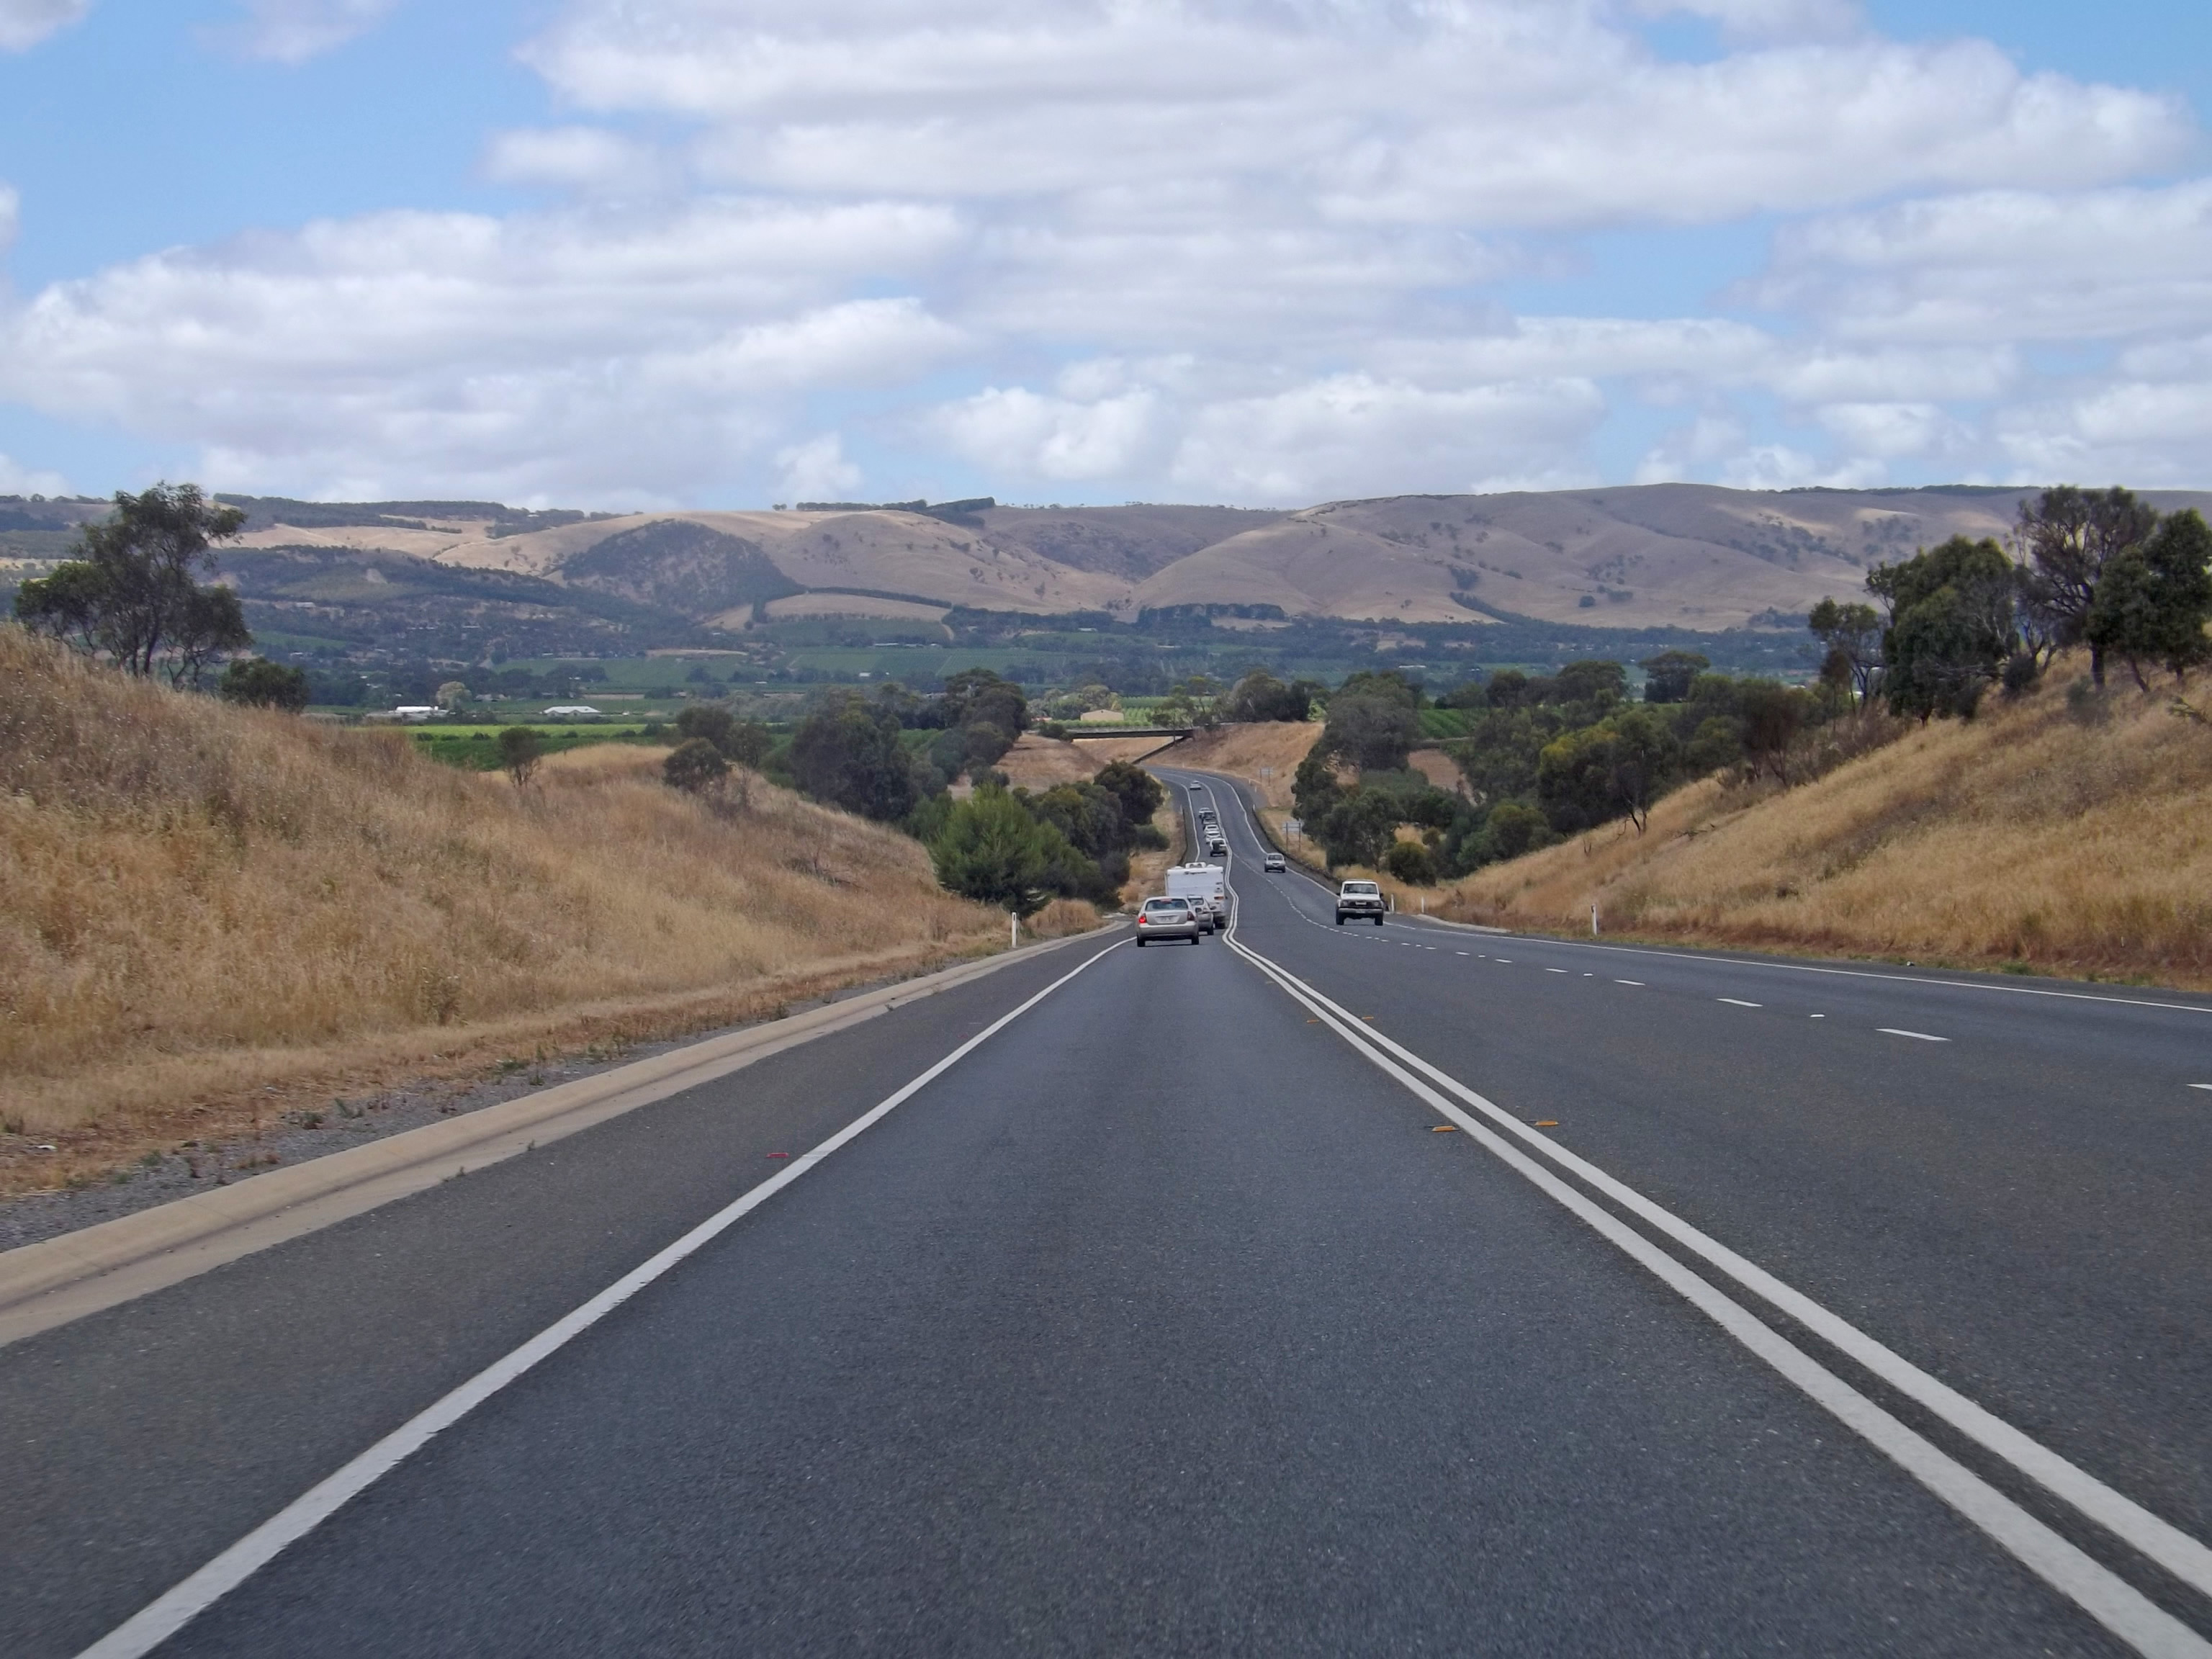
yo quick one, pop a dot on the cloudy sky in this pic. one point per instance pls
(726, 252)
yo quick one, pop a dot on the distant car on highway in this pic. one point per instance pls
(1194, 787)
(1272, 863)
(1361, 901)
(1166, 918)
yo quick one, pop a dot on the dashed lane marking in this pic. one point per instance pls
(1637, 983)
(1917, 1036)
(1738, 1002)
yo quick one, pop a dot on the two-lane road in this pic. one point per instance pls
(1164, 1319)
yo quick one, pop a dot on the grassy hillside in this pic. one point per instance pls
(2053, 835)
(204, 903)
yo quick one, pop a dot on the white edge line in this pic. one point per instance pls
(2099, 1592)
(170, 1612)
(2182, 1556)
(1854, 973)
(2201, 1085)
(1917, 1036)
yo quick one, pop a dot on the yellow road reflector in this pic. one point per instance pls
(1546, 1123)
(1445, 1129)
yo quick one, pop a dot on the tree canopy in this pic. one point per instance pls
(847, 753)
(2153, 599)
(991, 850)
(1951, 625)
(259, 683)
(2068, 536)
(134, 591)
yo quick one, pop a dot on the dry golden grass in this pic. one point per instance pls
(206, 909)
(1037, 763)
(2030, 838)
(1062, 919)
(1243, 751)
(1438, 768)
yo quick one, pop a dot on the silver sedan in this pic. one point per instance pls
(1166, 918)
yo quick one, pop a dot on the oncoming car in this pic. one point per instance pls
(1165, 918)
(1362, 901)
(1272, 863)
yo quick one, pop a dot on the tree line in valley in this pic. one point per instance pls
(1547, 756)
(1542, 756)
(893, 755)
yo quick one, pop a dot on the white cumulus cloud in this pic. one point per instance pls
(1062, 439)
(293, 30)
(16, 479)
(1235, 249)
(817, 470)
(24, 23)
(1350, 435)
(589, 159)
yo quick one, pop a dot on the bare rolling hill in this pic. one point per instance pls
(1686, 555)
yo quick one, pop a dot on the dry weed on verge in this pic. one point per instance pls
(198, 901)
(2042, 836)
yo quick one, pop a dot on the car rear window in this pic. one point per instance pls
(1361, 887)
(1167, 904)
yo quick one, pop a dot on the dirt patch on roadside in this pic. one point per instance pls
(1037, 763)
(1264, 754)
(1439, 768)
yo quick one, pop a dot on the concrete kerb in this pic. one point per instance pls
(59, 1279)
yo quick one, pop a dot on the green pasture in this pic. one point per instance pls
(475, 748)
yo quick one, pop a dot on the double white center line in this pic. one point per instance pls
(2099, 1591)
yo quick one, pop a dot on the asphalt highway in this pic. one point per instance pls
(1828, 1312)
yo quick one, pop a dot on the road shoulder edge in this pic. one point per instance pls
(57, 1280)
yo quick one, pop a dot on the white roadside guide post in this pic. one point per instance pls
(1013, 929)
(1592, 920)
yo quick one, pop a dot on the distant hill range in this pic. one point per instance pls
(1662, 555)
